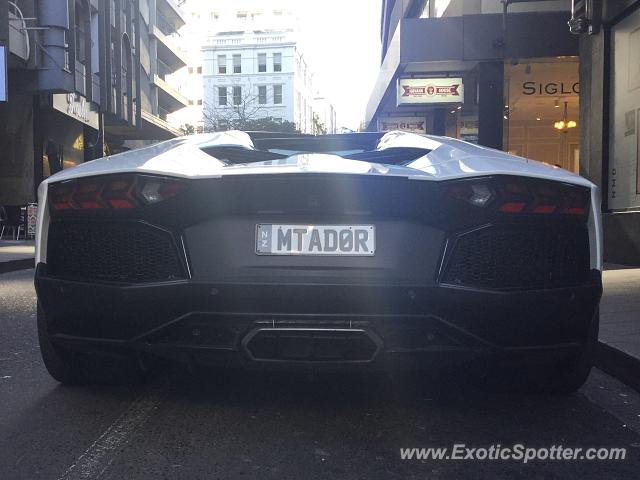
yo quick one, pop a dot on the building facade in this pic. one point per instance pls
(506, 78)
(85, 77)
(610, 113)
(245, 63)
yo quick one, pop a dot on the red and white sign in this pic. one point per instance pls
(430, 90)
(404, 124)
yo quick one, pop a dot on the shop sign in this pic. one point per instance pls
(76, 106)
(551, 88)
(3, 73)
(430, 90)
(32, 219)
(404, 124)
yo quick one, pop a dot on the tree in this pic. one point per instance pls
(269, 124)
(243, 112)
(187, 129)
(318, 127)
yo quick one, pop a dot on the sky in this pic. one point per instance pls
(341, 40)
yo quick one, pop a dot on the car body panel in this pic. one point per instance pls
(225, 301)
(448, 159)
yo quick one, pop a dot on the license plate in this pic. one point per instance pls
(353, 240)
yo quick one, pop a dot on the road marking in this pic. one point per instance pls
(97, 458)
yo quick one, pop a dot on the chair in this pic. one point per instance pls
(13, 218)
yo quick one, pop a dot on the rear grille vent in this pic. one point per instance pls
(112, 251)
(501, 258)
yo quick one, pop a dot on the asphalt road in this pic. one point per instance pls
(274, 426)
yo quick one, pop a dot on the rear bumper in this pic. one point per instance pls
(319, 325)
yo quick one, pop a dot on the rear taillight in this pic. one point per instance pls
(119, 192)
(511, 195)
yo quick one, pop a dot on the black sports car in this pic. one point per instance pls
(358, 251)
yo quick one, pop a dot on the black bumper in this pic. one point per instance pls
(371, 326)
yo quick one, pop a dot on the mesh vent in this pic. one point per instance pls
(497, 258)
(113, 251)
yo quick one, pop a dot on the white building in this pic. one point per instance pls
(325, 114)
(244, 62)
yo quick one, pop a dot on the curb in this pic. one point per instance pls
(618, 364)
(14, 265)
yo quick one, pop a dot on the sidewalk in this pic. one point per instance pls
(619, 349)
(16, 255)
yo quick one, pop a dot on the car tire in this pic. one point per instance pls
(71, 367)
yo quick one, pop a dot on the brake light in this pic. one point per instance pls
(119, 192)
(522, 196)
(87, 196)
(574, 211)
(575, 204)
(512, 207)
(545, 209)
(61, 198)
(121, 203)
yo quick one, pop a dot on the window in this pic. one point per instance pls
(237, 95)
(277, 94)
(241, 15)
(277, 13)
(222, 64)
(199, 70)
(237, 63)
(222, 95)
(215, 16)
(262, 94)
(262, 62)
(277, 62)
(624, 164)
(80, 34)
(190, 102)
(200, 101)
(190, 70)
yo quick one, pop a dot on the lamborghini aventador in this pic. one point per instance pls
(367, 251)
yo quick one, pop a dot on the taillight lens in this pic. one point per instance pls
(511, 195)
(119, 192)
(60, 197)
(156, 191)
(478, 194)
(86, 195)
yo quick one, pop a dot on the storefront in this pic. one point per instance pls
(67, 127)
(509, 83)
(542, 109)
(610, 85)
(539, 120)
(624, 115)
(429, 104)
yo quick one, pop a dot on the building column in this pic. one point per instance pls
(593, 135)
(38, 173)
(440, 121)
(490, 104)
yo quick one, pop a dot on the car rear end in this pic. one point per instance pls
(502, 268)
